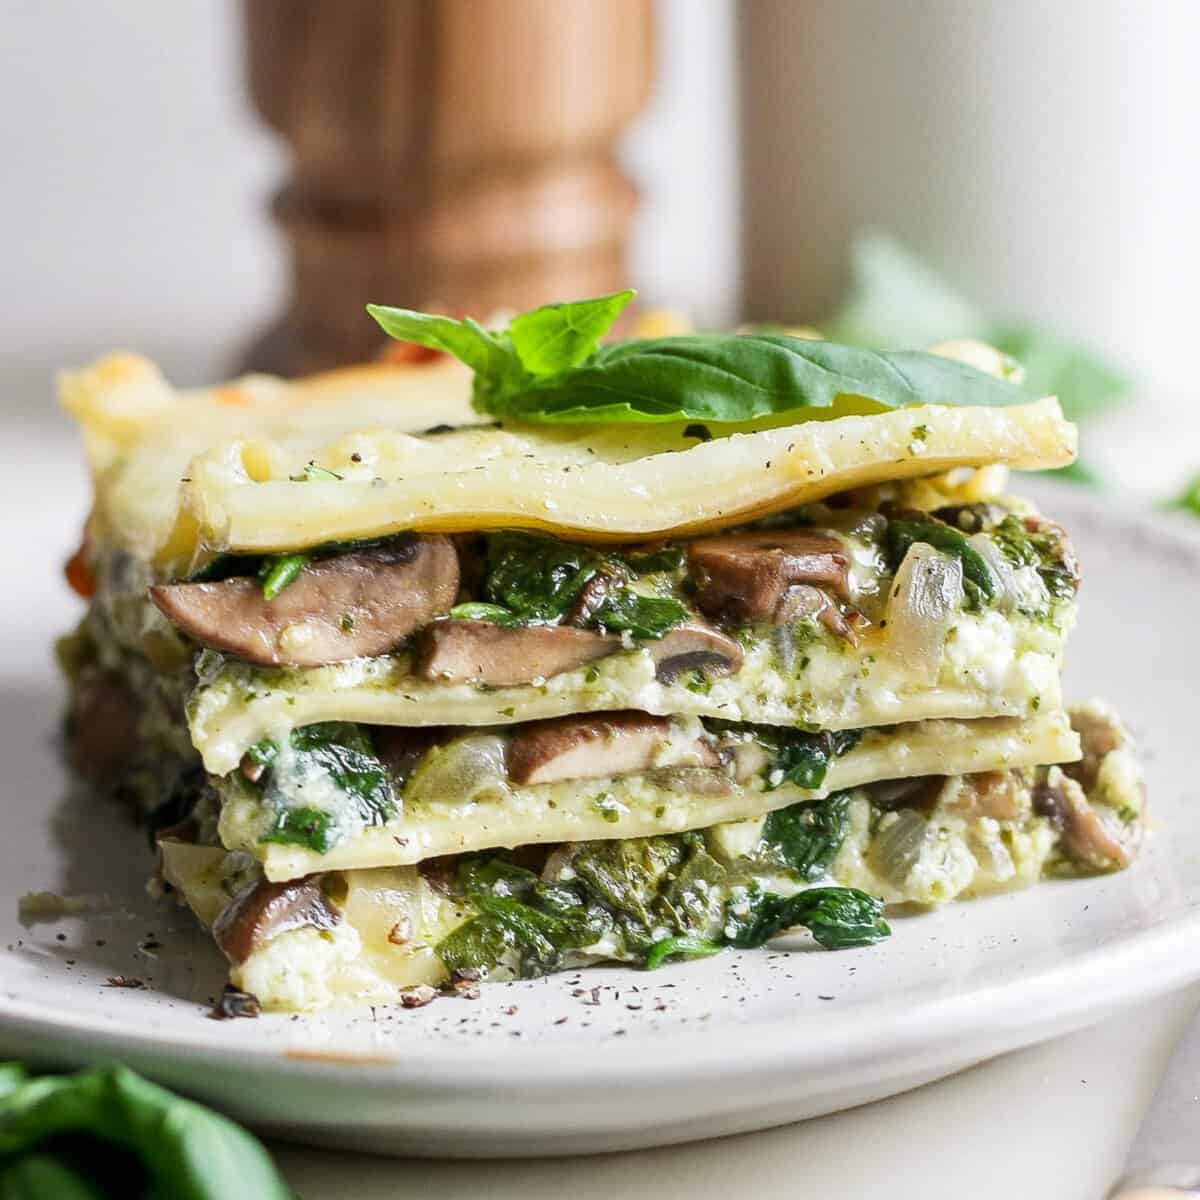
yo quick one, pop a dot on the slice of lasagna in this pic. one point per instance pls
(601, 656)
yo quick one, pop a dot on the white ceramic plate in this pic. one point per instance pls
(611, 1059)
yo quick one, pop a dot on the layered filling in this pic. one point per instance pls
(340, 795)
(863, 611)
(826, 865)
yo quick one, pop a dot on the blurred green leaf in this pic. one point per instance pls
(1084, 383)
(895, 299)
(1189, 498)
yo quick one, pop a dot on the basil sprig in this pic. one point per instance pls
(548, 366)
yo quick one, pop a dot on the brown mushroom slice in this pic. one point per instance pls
(595, 746)
(692, 781)
(742, 577)
(694, 646)
(994, 794)
(265, 910)
(103, 728)
(803, 600)
(483, 652)
(1100, 734)
(358, 604)
(401, 748)
(1095, 839)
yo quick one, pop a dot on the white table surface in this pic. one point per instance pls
(1049, 1123)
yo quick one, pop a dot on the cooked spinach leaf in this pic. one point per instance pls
(1043, 549)
(642, 616)
(650, 899)
(108, 1132)
(532, 578)
(838, 917)
(804, 839)
(647, 562)
(478, 610)
(680, 947)
(537, 578)
(802, 759)
(522, 922)
(312, 828)
(277, 571)
(342, 752)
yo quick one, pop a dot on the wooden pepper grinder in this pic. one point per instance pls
(456, 153)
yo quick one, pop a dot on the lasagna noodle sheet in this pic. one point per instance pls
(580, 810)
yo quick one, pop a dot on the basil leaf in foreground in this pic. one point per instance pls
(560, 336)
(1084, 383)
(186, 1151)
(466, 340)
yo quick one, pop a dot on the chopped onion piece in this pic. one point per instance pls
(926, 595)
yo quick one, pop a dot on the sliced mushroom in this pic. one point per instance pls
(265, 910)
(1100, 733)
(694, 646)
(978, 517)
(590, 599)
(804, 600)
(596, 746)
(402, 747)
(361, 603)
(918, 792)
(995, 794)
(483, 652)
(742, 577)
(103, 729)
(1095, 838)
(692, 781)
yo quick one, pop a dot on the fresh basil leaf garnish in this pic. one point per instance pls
(725, 378)
(557, 337)
(548, 367)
